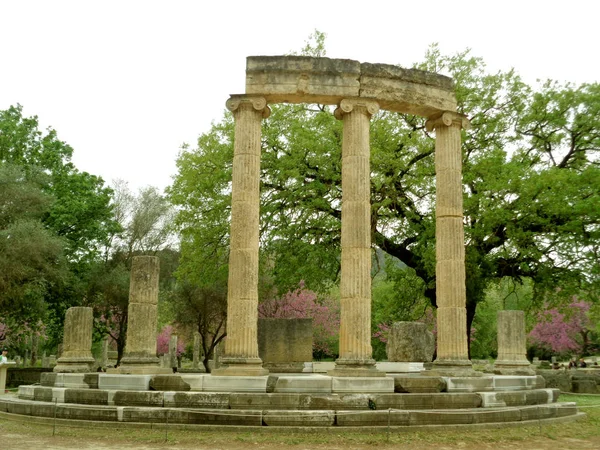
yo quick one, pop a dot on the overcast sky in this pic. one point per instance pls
(126, 82)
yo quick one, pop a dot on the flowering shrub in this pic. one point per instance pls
(559, 332)
(303, 304)
(17, 336)
(163, 338)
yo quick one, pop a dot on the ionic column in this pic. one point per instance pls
(140, 347)
(77, 342)
(452, 350)
(355, 284)
(512, 348)
(241, 345)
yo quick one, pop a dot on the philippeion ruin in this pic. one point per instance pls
(355, 390)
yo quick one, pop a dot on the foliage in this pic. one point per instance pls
(303, 303)
(17, 336)
(164, 337)
(203, 309)
(32, 257)
(53, 221)
(564, 332)
(143, 229)
(530, 173)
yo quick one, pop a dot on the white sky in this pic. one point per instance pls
(127, 82)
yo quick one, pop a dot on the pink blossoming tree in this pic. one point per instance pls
(563, 332)
(303, 303)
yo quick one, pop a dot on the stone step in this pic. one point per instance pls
(290, 401)
(292, 418)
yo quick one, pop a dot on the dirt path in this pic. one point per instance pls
(26, 441)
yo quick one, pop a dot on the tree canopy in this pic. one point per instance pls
(530, 172)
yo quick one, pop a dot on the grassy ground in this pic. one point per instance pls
(581, 434)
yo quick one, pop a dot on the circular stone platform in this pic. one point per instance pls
(290, 400)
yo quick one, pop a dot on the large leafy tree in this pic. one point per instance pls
(32, 258)
(144, 228)
(531, 186)
(80, 211)
(55, 220)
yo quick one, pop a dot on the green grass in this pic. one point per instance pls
(587, 428)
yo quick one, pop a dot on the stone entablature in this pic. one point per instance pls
(303, 79)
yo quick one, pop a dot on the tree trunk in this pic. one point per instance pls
(471, 308)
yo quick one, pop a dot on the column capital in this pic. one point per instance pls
(258, 103)
(447, 118)
(348, 105)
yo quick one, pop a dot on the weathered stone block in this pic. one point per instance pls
(215, 383)
(299, 418)
(309, 383)
(196, 400)
(514, 383)
(84, 412)
(264, 401)
(372, 418)
(225, 417)
(469, 384)
(498, 416)
(410, 341)
(585, 386)
(392, 367)
(121, 382)
(86, 396)
(285, 344)
(43, 394)
(26, 392)
(418, 384)
(168, 383)
(137, 398)
(441, 418)
(362, 384)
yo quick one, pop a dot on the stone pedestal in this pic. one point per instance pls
(104, 357)
(173, 351)
(140, 349)
(196, 351)
(241, 347)
(35, 341)
(410, 342)
(3, 369)
(355, 284)
(512, 348)
(77, 342)
(452, 350)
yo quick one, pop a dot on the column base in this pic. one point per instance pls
(506, 367)
(452, 368)
(74, 365)
(140, 365)
(235, 367)
(355, 368)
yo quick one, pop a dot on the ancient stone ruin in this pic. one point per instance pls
(359, 91)
(354, 392)
(410, 342)
(77, 342)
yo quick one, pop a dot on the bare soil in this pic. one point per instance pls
(41, 438)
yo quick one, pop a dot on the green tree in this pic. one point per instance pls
(31, 256)
(531, 181)
(144, 228)
(66, 212)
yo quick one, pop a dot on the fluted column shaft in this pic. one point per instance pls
(355, 282)
(512, 347)
(452, 349)
(241, 345)
(140, 348)
(77, 341)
